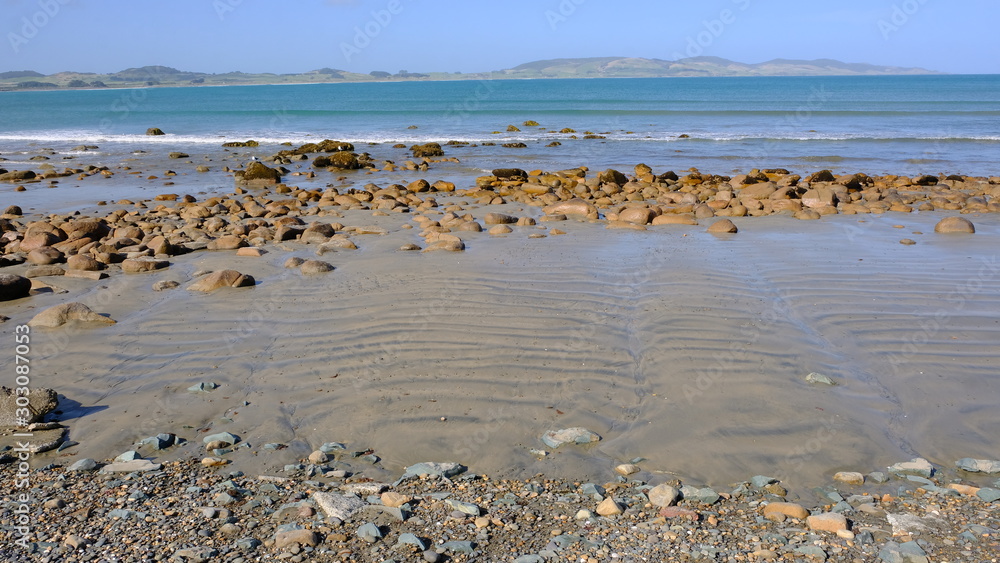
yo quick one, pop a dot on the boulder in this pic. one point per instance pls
(154, 131)
(723, 226)
(59, 315)
(228, 242)
(499, 219)
(426, 150)
(257, 174)
(40, 403)
(675, 220)
(637, 215)
(44, 255)
(224, 278)
(84, 263)
(344, 160)
(312, 267)
(955, 225)
(510, 174)
(17, 175)
(13, 287)
(612, 176)
(574, 206)
(144, 264)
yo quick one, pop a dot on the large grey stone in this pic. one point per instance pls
(40, 403)
(342, 507)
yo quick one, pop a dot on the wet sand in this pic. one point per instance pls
(681, 347)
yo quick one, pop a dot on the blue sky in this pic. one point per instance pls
(49, 36)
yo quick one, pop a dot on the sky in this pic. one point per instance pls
(215, 36)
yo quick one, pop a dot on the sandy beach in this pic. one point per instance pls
(687, 352)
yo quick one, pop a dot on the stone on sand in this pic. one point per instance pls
(663, 495)
(13, 287)
(40, 403)
(61, 314)
(723, 226)
(778, 511)
(609, 507)
(556, 438)
(955, 225)
(576, 206)
(224, 278)
(144, 264)
(313, 267)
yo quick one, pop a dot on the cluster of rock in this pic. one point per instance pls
(648, 198)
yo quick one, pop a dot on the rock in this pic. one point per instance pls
(61, 314)
(819, 379)
(637, 215)
(446, 469)
(40, 403)
(43, 271)
(723, 226)
(671, 512)
(144, 264)
(785, 510)
(671, 219)
(85, 464)
(199, 554)
(257, 175)
(500, 230)
(499, 219)
(955, 225)
(154, 131)
(44, 255)
(627, 469)
(228, 242)
(556, 438)
(609, 507)
(612, 176)
(17, 175)
(318, 458)
(176, 155)
(139, 465)
(989, 467)
(302, 537)
(225, 438)
(395, 500)
(918, 466)
(576, 206)
(369, 533)
(82, 262)
(463, 507)
(224, 278)
(341, 507)
(832, 522)
(13, 287)
(313, 267)
(909, 552)
(850, 477)
(427, 150)
(988, 494)
(165, 284)
(446, 245)
(663, 495)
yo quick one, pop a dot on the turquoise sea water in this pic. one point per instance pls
(881, 124)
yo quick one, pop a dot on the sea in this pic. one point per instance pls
(939, 124)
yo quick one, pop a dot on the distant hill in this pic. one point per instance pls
(630, 67)
(597, 67)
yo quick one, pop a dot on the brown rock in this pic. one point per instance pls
(228, 242)
(447, 245)
(955, 225)
(224, 278)
(301, 537)
(785, 510)
(637, 215)
(44, 255)
(313, 267)
(609, 507)
(61, 314)
(500, 230)
(395, 500)
(671, 219)
(670, 512)
(499, 219)
(850, 477)
(832, 522)
(574, 206)
(723, 226)
(83, 262)
(145, 264)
